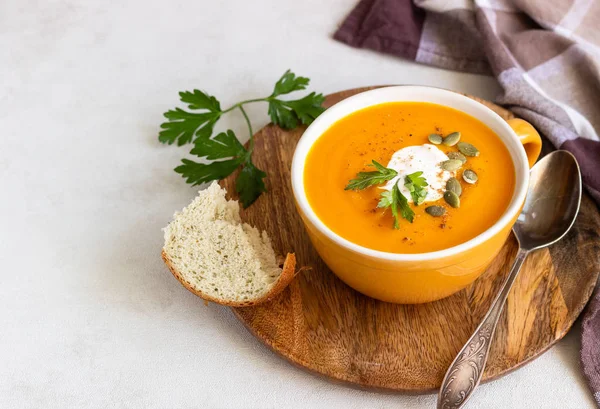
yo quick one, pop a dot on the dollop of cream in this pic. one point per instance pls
(426, 158)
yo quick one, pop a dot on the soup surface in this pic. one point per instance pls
(375, 133)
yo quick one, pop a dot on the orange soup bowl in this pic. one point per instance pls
(421, 277)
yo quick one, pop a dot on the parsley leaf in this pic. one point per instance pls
(400, 201)
(416, 179)
(416, 185)
(396, 200)
(224, 145)
(249, 184)
(307, 108)
(385, 199)
(365, 179)
(184, 126)
(200, 100)
(289, 83)
(282, 116)
(198, 173)
(287, 114)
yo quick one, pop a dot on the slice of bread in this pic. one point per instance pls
(219, 258)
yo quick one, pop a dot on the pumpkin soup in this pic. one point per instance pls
(409, 177)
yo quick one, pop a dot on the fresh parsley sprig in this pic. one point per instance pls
(393, 199)
(196, 127)
(365, 179)
(398, 203)
(416, 184)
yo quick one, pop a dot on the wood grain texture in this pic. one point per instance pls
(324, 326)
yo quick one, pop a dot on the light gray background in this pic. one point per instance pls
(89, 315)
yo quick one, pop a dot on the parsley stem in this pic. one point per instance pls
(239, 104)
(251, 145)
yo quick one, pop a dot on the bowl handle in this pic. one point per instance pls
(529, 137)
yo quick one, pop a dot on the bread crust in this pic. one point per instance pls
(287, 274)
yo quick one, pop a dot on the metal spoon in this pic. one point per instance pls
(549, 212)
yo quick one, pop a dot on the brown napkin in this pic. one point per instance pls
(546, 57)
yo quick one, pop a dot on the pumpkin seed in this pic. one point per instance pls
(452, 198)
(451, 164)
(452, 139)
(469, 176)
(467, 149)
(435, 211)
(453, 185)
(458, 155)
(435, 139)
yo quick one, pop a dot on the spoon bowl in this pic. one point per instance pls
(552, 201)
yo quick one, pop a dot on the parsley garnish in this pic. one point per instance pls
(365, 179)
(385, 199)
(416, 185)
(396, 200)
(196, 127)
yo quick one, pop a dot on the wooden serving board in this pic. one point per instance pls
(322, 325)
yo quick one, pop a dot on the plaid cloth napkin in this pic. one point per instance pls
(545, 55)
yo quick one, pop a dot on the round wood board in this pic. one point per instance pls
(322, 325)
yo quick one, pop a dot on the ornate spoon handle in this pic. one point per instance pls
(464, 374)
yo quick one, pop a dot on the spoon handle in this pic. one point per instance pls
(464, 374)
